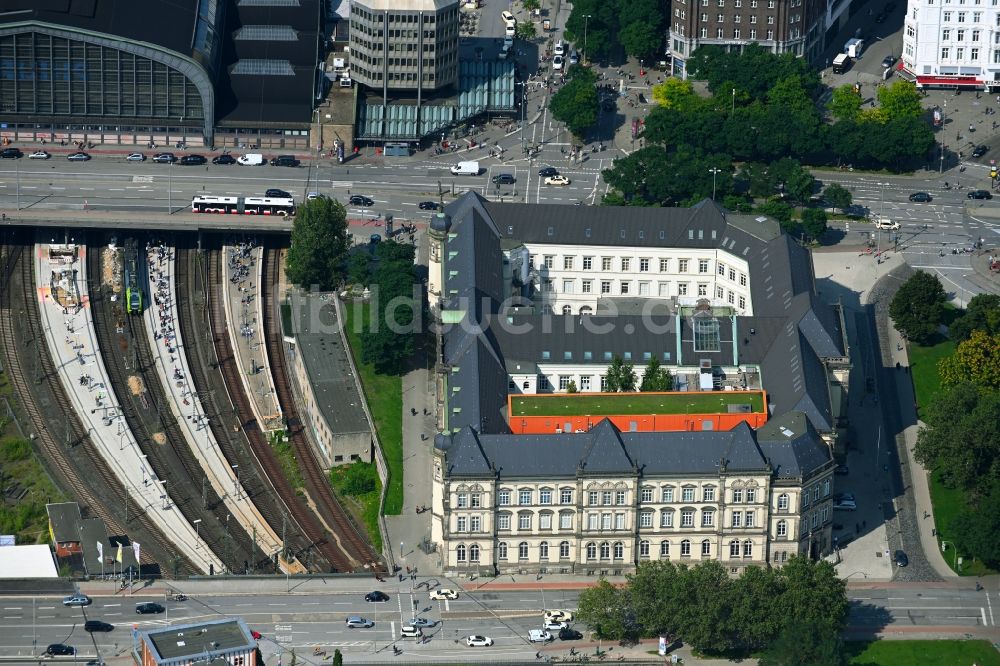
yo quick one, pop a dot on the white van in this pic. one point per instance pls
(509, 31)
(508, 19)
(560, 48)
(410, 632)
(466, 169)
(251, 159)
(885, 223)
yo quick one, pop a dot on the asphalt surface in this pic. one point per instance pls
(307, 619)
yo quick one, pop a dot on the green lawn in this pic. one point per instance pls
(364, 507)
(21, 469)
(922, 653)
(384, 394)
(923, 366)
(579, 404)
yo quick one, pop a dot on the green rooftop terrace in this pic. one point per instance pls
(610, 404)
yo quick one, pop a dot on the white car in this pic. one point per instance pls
(135, 157)
(444, 593)
(552, 625)
(39, 155)
(479, 641)
(557, 62)
(557, 180)
(558, 616)
(539, 636)
(409, 631)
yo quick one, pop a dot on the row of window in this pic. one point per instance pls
(960, 54)
(605, 550)
(961, 16)
(721, 18)
(626, 264)
(720, 33)
(625, 288)
(647, 495)
(959, 35)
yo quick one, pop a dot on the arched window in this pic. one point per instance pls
(686, 548)
(605, 550)
(586, 309)
(502, 550)
(522, 550)
(782, 528)
(567, 310)
(474, 552)
(619, 550)
(706, 548)
(564, 549)
(543, 550)
(734, 548)
(783, 501)
(460, 553)
(748, 548)
(664, 549)
(591, 551)
(643, 548)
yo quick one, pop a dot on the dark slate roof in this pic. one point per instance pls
(65, 520)
(166, 23)
(605, 450)
(792, 446)
(792, 330)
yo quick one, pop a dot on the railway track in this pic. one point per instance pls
(85, 471)
(350, 537)
(165, 449)
(191, 292)
(319, 545)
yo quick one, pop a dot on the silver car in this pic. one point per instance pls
(358, 622)
(135, 157)
(77, 600)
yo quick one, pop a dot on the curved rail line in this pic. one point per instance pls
(319, 545)
(171, 461)
(88, 470)
(234, 443)
(318, 486)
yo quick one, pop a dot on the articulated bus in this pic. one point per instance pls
(243, 205)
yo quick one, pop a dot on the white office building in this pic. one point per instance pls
(953, 43)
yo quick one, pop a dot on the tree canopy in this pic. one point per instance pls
(621, 376)
(387, 339)
(982, 313)
(576, 103)
(602, 26)
(319, 245)
(838, 196)
(656, 377)
(917, 307)
(975, 360)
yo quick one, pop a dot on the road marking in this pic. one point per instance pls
(990, 604)
(983, 612)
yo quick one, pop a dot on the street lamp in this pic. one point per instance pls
(586, 17)
(170, 187)
(954, 557)
(714, 171)
(734, 102)
(197, 530)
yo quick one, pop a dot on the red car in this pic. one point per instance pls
(256, 634)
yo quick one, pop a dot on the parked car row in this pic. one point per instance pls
(192, 159)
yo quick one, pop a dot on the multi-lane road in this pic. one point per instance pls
(309, 620)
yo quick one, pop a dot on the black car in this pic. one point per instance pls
(888, 61)
(921, 197)
(980, 151)
(148, 608)
(428, 205)
(164, 158)
(97, 625)
(900, 558)
(224, 159)
(545, 172)
(880, 17)
(11, 153)
(361, 200)
(504, 179)
(275, 193)
(60, 649)
(568, 634)
(979, 194)
(376, 596)
(285, 160)
(193, 160)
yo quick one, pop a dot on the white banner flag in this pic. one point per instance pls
(100, 551)
(135, 549)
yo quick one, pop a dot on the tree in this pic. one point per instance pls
(621, 376)
(604, 608)
(917, 307)
(571, 387)
(641, 39)
(844, 104)
(813, 592)
(814, 222)
(360, 478)
(792, 179)
(656, 377)
(838, 196)
(975, 360)
(674, 93)
(359, 268)
(752, 595)
(802, 643)
(982, 313)
(654, 589)
(704, 621)
(977, 526)
(779, 210)
(900, 100)
(319, 245)
(576, 103)
(961, 441)
(526, 30)
(531, 5)
(387, 339)
(338, 658)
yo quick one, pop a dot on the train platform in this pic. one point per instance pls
(180, 220)
(69, 329)
(242, 282)
(160, 320)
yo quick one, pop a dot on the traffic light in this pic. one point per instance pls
(993, 173)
